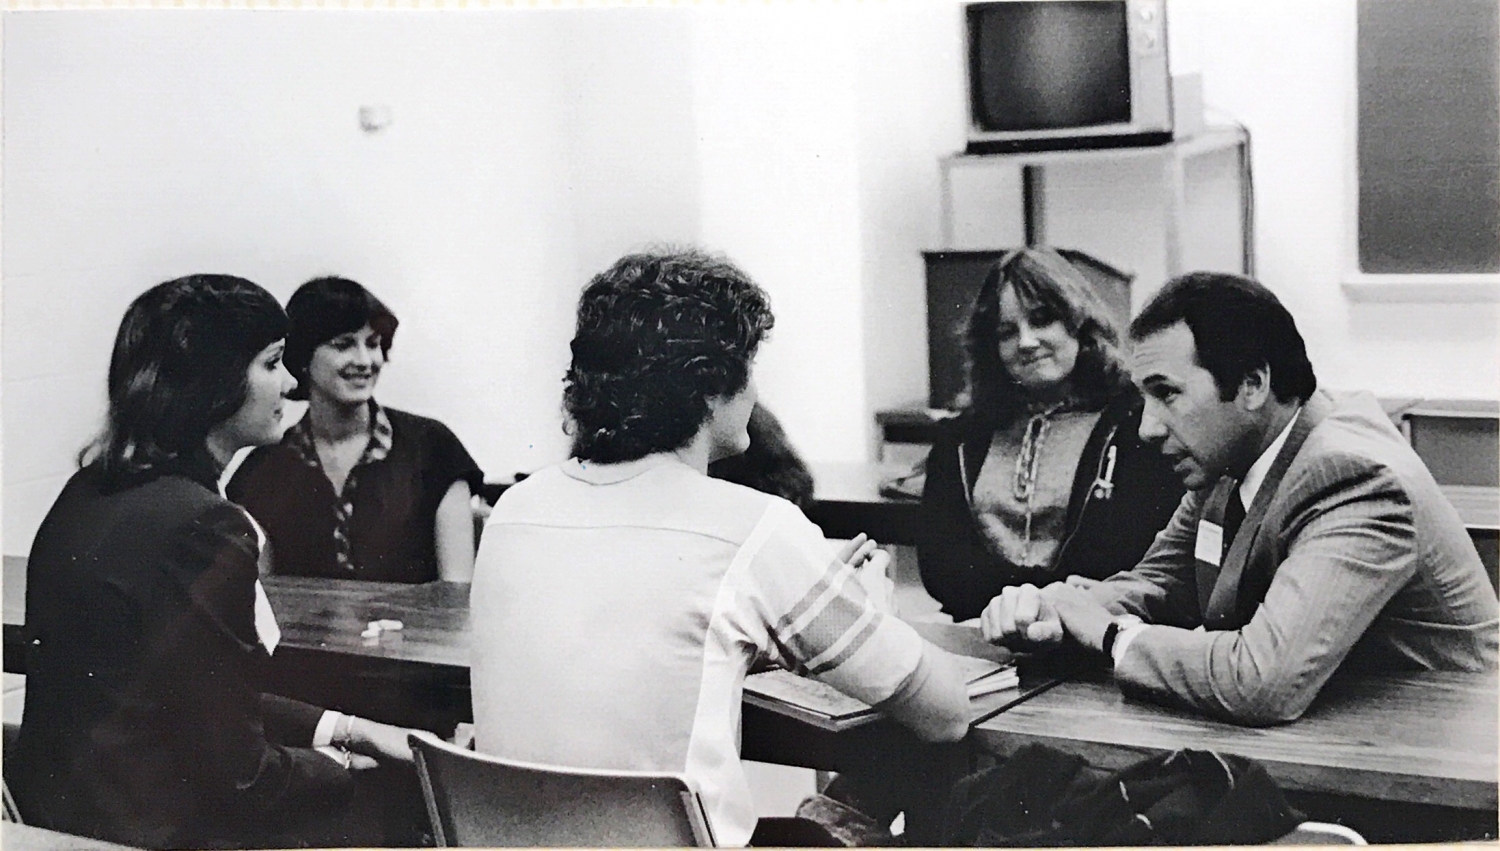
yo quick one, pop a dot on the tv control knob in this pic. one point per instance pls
(1148, 14)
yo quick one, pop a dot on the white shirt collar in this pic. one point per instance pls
(609, 474)
(1250, 485)
(266, 627)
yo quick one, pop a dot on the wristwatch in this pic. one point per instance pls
(1112, 634)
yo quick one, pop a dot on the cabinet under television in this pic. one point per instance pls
(1153, 212)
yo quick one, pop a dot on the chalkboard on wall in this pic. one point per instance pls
(1429, 136)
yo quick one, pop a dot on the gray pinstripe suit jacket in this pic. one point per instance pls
(1349, 555)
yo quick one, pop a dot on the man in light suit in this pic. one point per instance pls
(1312, 536)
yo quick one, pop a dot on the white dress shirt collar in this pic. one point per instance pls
(1256, 476)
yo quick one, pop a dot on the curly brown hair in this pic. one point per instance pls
(659, 334)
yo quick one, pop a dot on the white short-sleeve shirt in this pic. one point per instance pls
(616, 609)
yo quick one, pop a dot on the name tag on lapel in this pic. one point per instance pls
(1210, 543)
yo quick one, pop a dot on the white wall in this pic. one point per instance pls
(530, 148)
(142, 146)
(777, 140)
(1286, 68)
(911, 112)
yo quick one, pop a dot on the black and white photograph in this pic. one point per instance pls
(603, 423)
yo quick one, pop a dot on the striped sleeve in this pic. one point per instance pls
(819, 620)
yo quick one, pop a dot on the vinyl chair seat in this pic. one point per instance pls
(476, 800)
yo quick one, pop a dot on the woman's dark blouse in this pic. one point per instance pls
(394, 504)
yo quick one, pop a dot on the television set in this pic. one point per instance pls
(1061, 74)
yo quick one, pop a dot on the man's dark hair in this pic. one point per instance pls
(324, 308)
(179, 368)
(659, 334)
(1238, 327)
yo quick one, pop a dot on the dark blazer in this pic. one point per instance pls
(142, 722)
(1112, 515)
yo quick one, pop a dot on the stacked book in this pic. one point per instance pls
(987, 677)
(825, 706)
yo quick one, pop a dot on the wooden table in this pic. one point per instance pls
(419, 675)
(1426, 738)
(328, 615)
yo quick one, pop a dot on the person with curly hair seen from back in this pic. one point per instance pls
(621, 596)
(1043, 476)
(357, 490)
(147, 629)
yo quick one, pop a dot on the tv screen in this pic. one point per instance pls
(1052, 64)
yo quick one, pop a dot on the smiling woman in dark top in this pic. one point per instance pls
(356, 490)
(1043, 475)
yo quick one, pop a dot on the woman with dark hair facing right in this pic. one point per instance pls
(147, 626)
(1043, 475)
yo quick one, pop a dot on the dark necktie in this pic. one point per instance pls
(1234, 515)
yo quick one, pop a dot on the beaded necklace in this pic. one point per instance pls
(1028, 461)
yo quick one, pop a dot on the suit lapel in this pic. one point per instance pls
(1224, 606)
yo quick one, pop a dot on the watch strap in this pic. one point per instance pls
(1111, 633)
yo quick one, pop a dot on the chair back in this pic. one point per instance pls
(12, 813)
(478, 800)
(1321, 833)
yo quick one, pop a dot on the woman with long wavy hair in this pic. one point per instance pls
(1043, 475)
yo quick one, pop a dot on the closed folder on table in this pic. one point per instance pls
(822, 704)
